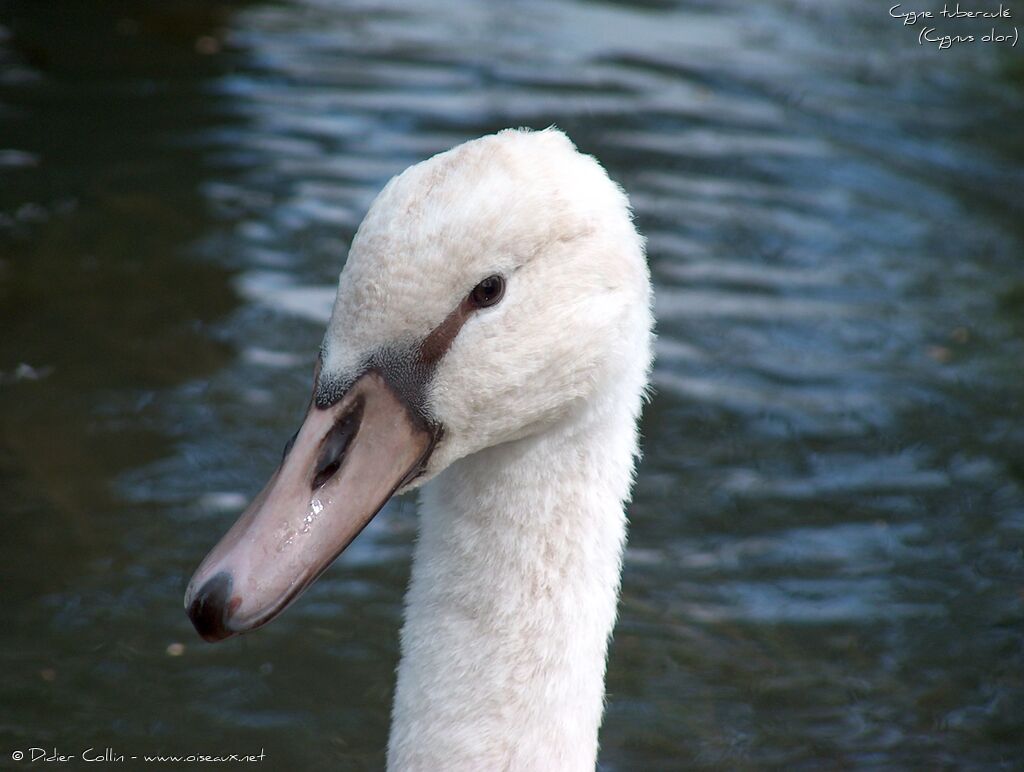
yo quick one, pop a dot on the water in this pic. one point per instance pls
(826, 565)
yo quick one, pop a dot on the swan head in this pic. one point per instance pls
(491, 292)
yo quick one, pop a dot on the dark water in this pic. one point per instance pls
(826, 566)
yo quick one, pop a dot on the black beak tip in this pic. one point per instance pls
(211, 606)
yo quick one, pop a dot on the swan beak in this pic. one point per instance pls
(345, 462)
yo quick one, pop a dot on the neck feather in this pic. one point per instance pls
(513, 598)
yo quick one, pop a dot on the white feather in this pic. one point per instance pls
(516, 570)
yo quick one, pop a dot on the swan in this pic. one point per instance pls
(490, 343)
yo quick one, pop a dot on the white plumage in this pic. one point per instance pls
(519, 420)
(516, 570)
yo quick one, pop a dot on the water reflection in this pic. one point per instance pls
(825, 564)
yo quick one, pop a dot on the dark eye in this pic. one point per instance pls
(488, 292)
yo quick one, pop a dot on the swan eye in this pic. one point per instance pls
(488, 292)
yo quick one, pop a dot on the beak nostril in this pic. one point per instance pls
(325, 474)
(336, 444)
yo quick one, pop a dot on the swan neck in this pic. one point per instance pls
(512, 601)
